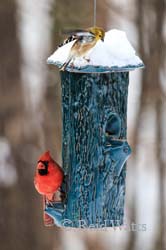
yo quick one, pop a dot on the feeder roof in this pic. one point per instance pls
(114, 54)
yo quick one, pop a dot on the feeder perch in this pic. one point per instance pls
(95, 147)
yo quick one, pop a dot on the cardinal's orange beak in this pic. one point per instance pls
(40, 165)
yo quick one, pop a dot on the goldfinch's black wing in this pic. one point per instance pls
(76, 35)
(68, 40)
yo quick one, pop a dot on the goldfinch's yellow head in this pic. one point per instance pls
(98, 33)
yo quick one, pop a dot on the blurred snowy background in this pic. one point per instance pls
(30, 121)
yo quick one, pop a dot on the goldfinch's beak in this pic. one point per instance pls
(102, 39)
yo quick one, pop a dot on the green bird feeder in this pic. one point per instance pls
(94, 146)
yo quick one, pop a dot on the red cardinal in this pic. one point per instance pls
(48, 178)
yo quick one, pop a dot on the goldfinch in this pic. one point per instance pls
(85, 40)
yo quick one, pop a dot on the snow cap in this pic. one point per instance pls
(114, 54)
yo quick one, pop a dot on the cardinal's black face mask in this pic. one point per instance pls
(43, 171)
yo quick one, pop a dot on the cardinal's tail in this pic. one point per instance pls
(48, 220)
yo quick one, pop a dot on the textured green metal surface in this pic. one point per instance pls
(94, 160)
(94, 150)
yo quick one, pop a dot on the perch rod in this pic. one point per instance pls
(94, 13)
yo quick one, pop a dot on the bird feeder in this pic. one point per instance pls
(94, 146)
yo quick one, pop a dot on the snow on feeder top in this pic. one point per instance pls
(94, 144)
(114, 54)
